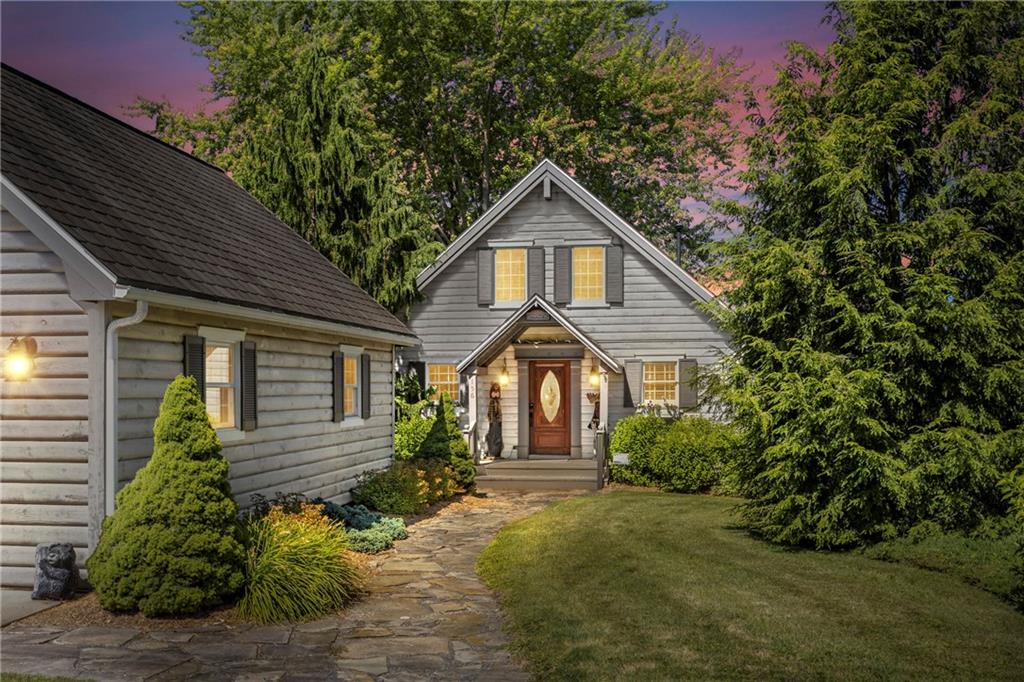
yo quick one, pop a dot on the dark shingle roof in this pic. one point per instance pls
(161, 219)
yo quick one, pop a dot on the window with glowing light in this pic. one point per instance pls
(660, 383)
(509, 275)
(445, 379)
(221, 383)
(588, 274)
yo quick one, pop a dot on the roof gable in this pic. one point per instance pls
(159, 219)
(546, 170)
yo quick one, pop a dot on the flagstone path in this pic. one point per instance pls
(427, 617)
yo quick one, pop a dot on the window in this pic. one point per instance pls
(445, 379)
(509, 275)
(221, 383)
(660, 383)
(351, 391)
(588, 273)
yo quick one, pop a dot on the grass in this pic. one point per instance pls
(651, 586)
(24, 677)
(985, 561)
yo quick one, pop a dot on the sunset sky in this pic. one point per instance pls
(108, 53)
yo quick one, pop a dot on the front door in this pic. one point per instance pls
(549, 407)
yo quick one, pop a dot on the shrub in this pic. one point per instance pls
(296, 566)
(378, 537)
(355, 516)
(395, 490)
(636, 435)
(445, 442)
(172, 545)
(692, 454)
(411, 431)
(439, 478)
(260, 505)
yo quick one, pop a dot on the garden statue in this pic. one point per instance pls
(494, 441)
(56, 572)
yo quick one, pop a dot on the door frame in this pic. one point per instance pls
(568, 395)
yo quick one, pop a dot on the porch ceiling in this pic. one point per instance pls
(533, 315)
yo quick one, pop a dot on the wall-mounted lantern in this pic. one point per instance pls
(20, 360)
(503, 377)
(595, 375)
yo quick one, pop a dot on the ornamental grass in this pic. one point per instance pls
(297, 566)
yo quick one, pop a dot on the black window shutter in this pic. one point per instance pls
(195, 362)
(485, 276)
(338, 388)
(364, 385)
(463, 390)
(563, 274)
(535, 268)
(248, 367)
(633, 384)
(613, 275)
(687, 383)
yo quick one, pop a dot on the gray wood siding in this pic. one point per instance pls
(658, 320)
(44, 446)
(297, 447)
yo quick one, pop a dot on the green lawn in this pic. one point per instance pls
(633, 585)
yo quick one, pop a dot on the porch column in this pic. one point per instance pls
(603, 409)
(474, 427)
(575, 420)
(523, 418)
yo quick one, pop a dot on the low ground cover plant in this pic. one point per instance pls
(368, 531)
(296, 566)
(172, 545)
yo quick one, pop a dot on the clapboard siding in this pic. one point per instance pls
(657, 320)
(297, 447)
(44, 448)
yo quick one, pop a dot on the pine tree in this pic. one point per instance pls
(171, 546)
(879, 325)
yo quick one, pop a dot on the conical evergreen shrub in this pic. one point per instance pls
(172, 545)
(445, 441)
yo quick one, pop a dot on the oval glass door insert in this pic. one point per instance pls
(550, 396)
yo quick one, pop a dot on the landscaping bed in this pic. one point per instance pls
(632, 585)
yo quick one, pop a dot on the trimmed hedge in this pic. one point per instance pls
(172, 546)
(688, 455)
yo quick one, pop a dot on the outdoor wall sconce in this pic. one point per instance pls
(20, 361)
(503, 377)
(595, 376)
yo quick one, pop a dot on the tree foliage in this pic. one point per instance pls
(171, 547)
(382, 130)
(879, 325)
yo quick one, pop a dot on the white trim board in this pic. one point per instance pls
(546, 170)
(536, 301)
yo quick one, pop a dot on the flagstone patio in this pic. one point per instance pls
(427, 616)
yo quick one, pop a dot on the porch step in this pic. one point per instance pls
(518, 474)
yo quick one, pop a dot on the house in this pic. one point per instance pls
(572, 314)
(126, 262)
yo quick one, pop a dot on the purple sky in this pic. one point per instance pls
(107, 53)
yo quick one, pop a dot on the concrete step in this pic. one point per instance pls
(502, 482)
(544, 464)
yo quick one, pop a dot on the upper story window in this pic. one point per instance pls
(509, 275)
(660, 383)
(445, 379)
(588, 274)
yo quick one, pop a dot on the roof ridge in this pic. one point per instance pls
(60, 93)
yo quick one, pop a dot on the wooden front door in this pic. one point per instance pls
(549, 407)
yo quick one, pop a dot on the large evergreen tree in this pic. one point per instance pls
(452, 102)
(879, 321)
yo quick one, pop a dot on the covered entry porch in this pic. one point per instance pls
(543, 384)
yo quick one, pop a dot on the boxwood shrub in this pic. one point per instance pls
(636, 436)
(691, 455)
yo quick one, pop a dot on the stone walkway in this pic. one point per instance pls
(427, 617)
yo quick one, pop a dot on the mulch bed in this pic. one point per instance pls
(85, 610)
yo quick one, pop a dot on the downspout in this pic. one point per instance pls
(110, 401)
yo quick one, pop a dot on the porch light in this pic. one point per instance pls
(595, 376)
(20, 361)
(503, 377)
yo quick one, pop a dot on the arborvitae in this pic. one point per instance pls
(172, 545)
(879, 317)
(445, 441)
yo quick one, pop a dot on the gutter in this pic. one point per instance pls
(281, 319)
(110, 401)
